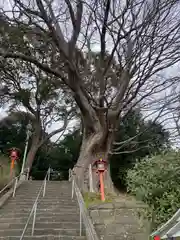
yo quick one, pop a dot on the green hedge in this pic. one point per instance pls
(156, 181)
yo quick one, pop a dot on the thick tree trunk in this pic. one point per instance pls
(98, 126)
(36, 143)
(32, 152)
(30, 156)
(93, 148)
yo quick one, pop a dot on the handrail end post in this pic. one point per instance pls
(72, 196)
(70, 175)
(49, 173)
(28, 170)
(44, 190)
(15, 186)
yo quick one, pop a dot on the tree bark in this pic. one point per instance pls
(32, 152)
(94, 146)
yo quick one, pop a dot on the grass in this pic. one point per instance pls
(95, 198)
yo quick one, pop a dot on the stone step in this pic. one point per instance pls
(60, 186)
(31, 194)
(17, 206)
(7, 218)
(34, 191)
(41, 210)
(54, 193)
(32, 183)
(42, 203)
(49, 188)
(33, 197)
(42, 200)
(65, 190)
(41, 231)
(48, 184)
(44, 237)
(55, 183)
(38, 219)
(57, 191)
(27, 187)
(40, 224)
(66, 206)
(39, 213)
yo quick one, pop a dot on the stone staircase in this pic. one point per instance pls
(57, 215)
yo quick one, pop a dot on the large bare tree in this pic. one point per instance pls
(106, 52)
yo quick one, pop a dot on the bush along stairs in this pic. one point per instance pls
(53, 217)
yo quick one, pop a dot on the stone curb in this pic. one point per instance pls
(7, 195)
(116, 205)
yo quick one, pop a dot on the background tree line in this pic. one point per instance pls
(62, 155)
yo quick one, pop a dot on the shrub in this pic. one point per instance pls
(156, 181)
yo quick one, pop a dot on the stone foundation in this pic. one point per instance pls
(119, 221)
